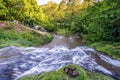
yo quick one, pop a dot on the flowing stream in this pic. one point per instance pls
(17, 62)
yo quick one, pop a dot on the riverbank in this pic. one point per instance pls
(111, 49)
(12, 34)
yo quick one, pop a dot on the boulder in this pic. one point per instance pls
(71, 71)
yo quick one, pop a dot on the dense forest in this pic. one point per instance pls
(25, 11)
(97, 22)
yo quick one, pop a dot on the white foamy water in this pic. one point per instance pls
(38, 60)
(17, 62)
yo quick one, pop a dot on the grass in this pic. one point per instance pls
(110, 48)
(97, 76)
(60, 75)
(9, 36)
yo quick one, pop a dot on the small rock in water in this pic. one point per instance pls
(71, 71)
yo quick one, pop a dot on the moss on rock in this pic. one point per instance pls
(61, 75)
(58, 75)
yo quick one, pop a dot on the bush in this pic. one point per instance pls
(103, 24)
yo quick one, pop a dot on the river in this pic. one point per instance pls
(17, 62)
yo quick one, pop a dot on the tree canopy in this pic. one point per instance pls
(98, 21)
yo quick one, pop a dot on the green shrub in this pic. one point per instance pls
(100, 22)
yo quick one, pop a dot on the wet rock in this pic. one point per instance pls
(75, 73)
(71, 71)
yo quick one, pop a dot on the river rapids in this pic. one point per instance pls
(17, 62)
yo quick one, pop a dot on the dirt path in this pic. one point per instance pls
(20, 28)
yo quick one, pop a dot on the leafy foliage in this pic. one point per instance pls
(93, 21)
(103, 23)
(25, 11)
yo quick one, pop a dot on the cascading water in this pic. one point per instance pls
(17, 62)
